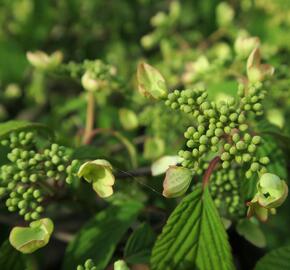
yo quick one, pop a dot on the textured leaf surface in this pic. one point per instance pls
(99, 237)
(278, 259)
(193, 238)
(11, 126)
(139, 245)
(11, 259)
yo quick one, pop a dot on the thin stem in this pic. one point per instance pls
(90, 118)
(209, 171)
(142, 171)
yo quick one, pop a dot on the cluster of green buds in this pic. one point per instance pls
(272, 192)
(220, 128)
(162, 23)
(226, 192)
(88, 265)
(32, 173)
(94, 74)
(97, 75)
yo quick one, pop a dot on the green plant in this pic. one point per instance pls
(144, 134)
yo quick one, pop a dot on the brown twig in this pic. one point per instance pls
(210, 170)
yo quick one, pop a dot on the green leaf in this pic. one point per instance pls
(139, 245)
(193, 237)
(14, 126)
(278, 259)
(252, 232)
(30, 239)
(99, 237)
(11, 259)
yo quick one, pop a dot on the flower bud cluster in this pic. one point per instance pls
(221, 128)
(225, 190)
(31, 173)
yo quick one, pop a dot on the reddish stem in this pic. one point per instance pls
(209, 171)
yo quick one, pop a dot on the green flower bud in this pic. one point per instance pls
(233, 150)
(225, 156)
(201, 129)
(255, 166)
(264, 160)
(247, 137)
(33, 178)
(248, 174)
(219, 124)
(35, 215)
(256, 140)
(209, 133)
(243, 127)
(50, 173)
(203, 139)
(214, 140)
(195, 152)
(238, 159)
(218, 132)
(272, 191)
(225, 164)
(241, 118)
(55, 160)
(246, 157)
(176, 182)
(227, 130)
(120, 265)
(252, 148)
(150, 82)
(202, 148)
(240, 145)
(233, 117)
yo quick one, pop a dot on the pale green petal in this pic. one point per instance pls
(29, 239)
(102, 190)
